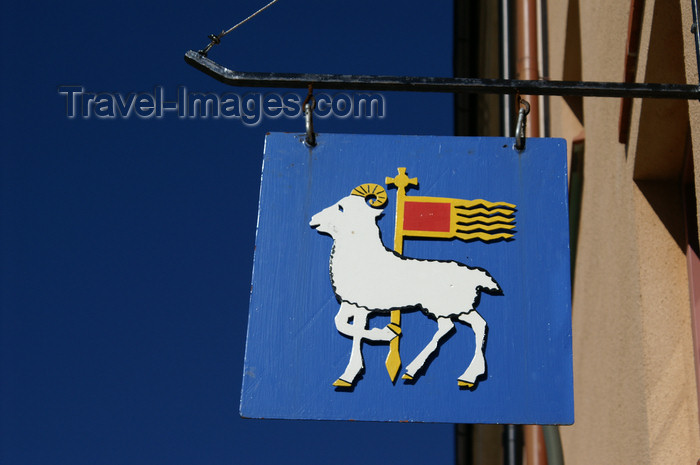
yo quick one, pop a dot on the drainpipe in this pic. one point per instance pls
(512, 436)
(526, 62)
(544, 59)
(505, 19)
(527, 68)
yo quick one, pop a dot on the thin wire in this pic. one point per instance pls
(215, 40)
(249, 18)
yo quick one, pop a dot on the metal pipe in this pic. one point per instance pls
(544, 49)
(512, 434)
(507, 102)
(526, 62)
(535, 448)
(552, 440)
(463, 444)
(527, 68)
(512, 445)
(436, 84)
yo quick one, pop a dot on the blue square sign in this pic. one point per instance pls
(411, 278)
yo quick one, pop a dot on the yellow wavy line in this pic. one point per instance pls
(485, 203)
(483, 236)
(483, 211)
(485, 219)
(485, 227)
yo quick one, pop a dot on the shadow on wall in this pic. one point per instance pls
(663, 124)
(572, 70)
(663, 141)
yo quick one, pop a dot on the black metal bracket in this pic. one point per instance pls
(437, 84)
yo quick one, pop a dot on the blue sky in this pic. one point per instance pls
(127, 243)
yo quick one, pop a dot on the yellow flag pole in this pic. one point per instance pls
(401, 181)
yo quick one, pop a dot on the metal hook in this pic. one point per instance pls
(520, 125)
(309, 105)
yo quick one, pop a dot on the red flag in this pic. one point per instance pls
(447, 218)
(427, 216)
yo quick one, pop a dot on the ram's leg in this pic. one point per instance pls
(477, 366)
(347, 323)
(354, 330)
(445, 325)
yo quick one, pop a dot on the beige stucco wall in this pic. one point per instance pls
(634, 375)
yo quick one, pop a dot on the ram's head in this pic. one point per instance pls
(353, 213)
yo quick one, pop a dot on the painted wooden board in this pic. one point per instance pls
(448, 295)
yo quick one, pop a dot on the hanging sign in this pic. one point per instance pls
(411, 278)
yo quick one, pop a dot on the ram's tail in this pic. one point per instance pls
(488, 284)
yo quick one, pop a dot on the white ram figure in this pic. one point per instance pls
(369, 278)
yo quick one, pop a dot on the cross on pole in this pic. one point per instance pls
(402, 182)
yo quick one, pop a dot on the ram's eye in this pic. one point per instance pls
(340, 208)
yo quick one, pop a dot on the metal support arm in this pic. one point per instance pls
(437, 84)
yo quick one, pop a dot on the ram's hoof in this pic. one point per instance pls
(465, 384)
(341, 383)
(396, 329)
(407, 377)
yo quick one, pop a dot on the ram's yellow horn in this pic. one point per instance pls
(373, 193)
